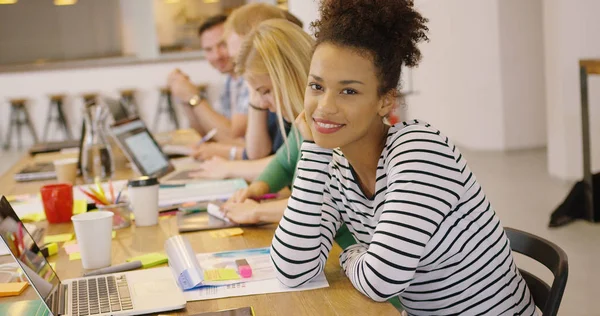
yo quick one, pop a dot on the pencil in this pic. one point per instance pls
(112, 192)
(91, 196)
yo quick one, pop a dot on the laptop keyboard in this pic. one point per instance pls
(100, 295)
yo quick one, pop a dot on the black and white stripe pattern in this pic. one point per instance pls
(428, 235)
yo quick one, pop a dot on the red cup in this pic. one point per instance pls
(58, 202)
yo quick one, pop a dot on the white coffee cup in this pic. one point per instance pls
(94, 236)
(66, 170)
(143, 198)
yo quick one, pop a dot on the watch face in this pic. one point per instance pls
(194, 100)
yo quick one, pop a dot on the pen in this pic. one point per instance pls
(268, 196)
(118, 268)
(208, 136)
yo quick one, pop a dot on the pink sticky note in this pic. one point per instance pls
(72, 248)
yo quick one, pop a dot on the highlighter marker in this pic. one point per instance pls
(244, 268)
(49, 249)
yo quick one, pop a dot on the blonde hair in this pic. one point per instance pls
(281, 50)
(245, 18)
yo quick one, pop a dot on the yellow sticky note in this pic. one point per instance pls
(34, 217)
(79, 206)
(150, 260)
(58, 238)
(12, 289)
(223, 274)
(222, 233)
(75, 256)
(114, 234)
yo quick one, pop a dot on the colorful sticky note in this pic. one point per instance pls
(151, 259)
(75, 256)
(223, 233)
(223, 274)
(33, 217)
(79, 206)
(114, 234)
(72, 248)
(70, 242)
(58, 238)
(12, 289)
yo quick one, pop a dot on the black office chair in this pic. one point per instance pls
(546, 298)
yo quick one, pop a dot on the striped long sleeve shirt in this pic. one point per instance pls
(428, 234)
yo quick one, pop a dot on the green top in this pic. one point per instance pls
(279, 173)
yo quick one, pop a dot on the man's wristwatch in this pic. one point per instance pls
(195, 100)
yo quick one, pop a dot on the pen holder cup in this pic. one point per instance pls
(122, 217)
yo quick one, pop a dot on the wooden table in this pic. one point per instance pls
(340, 298)
(587, 67)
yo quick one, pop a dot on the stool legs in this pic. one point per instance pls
(59, 118)
(169, 109)
(19, 116)
(130, 104)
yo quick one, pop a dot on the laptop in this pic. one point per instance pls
(129, 293)
(45, 170)
(146, 156)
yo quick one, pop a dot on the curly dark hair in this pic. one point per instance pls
(386, 30)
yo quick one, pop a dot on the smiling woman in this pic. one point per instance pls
(426, 232)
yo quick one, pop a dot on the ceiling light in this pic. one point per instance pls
(8, 1)
(64, 2)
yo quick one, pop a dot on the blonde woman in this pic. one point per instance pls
(274, 61)
(262, 134)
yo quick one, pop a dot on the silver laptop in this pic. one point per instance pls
(129, 293)
(146, 156)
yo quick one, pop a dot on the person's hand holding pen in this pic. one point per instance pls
(255, 190)
(242, 213)
(215, 168)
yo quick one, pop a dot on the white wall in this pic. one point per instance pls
(146, 79)
(523, 73)
(459, 78)
(571, 33)
(306, 10)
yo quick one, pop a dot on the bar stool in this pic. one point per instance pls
(165, 105)
(56, 105)
(129, 101)
(89, 98)
(19, 116)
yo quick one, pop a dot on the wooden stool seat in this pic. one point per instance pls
(89, 98)
(128, 92)
(57, 97)
(17, 102)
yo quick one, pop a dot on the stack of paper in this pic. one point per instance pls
(199, 191)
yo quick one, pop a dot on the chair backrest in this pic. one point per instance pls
(547, 298)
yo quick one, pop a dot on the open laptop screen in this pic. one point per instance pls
(26, 252)
(141, 148)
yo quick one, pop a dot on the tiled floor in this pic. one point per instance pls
(524, 196)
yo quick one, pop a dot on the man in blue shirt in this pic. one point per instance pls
(230, 117)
